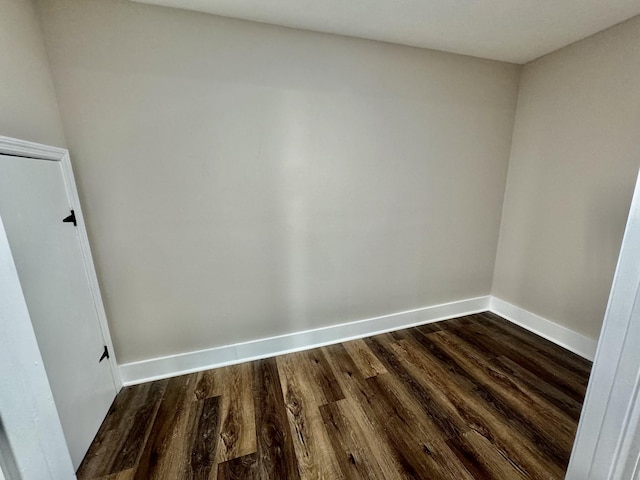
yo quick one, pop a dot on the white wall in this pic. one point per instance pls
(28, 108)
(574, 161)
(243, 180)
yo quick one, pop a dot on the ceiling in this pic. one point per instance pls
(510, 30)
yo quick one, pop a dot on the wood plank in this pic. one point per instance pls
(566, 358)
(532, 414)
(434, 400)
(135, 439)
(209, 383)
(276, 454)
(483, 459)
(240, 468)
(314, 363)
(419, 442)
(353, 452)
(411, 445)
(123, 475)
(122, 436)
(486, 339)
(567, 404)
(542, 353)
(476, 411)
(165, 454)
(238, 421)
(205, 441)
(365, 360)
(362, 420)
(302, 396)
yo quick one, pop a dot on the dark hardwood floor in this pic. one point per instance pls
(470, 398)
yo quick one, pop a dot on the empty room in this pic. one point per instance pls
(319, 240)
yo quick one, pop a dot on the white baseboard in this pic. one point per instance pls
(180, 364)
(183, 363)
(569, 339)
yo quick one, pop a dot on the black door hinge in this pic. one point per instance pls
(71, 219)
(105, 354)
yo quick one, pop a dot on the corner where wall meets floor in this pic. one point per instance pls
(174, 365)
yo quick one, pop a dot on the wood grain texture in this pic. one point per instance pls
(363, 416)
(238, 423)
(122, 475)
(123, 434)
(276, 455)
(363, 357)
(472, 407)
(166, 453)
(241, 468)
(302, 397)
(205, 441)
(482, 459)
(470, 398)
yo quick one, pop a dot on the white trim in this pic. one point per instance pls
(562, 336)
(13, 146)
(23, 148)
(606, 445)
(180, 364)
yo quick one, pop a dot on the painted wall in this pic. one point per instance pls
(574, 161)
(28, 108)
(242, 180)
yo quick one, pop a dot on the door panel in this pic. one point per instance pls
(48, 257)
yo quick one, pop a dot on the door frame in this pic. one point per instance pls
(32, 150)
(607, 445)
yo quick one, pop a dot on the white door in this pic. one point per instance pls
(54, 279)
